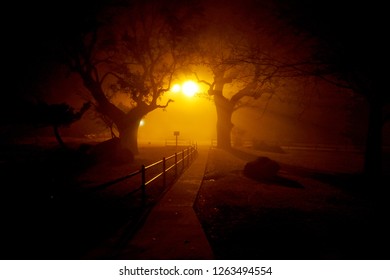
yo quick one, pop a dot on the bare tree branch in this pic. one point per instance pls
(164, 106)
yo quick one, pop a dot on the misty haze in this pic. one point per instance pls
(255, 129)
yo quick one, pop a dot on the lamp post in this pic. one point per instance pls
(176, 134)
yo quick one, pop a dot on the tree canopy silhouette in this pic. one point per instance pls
(128, 53)
(56, 116)
(349, 53)
(246, 53)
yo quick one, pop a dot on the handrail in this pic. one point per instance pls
(154, 164)
(154, 178)
(170, 156)
(185, 158)
(117, 180)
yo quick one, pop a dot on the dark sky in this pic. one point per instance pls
(31, 29)
(360, 27)
(31, 26)
(31, 32)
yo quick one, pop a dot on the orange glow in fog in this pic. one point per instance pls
(189, 88)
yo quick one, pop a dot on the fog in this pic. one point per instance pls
(194, 117)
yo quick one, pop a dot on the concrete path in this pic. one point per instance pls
(172, 229)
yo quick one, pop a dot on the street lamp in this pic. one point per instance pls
(188, 88)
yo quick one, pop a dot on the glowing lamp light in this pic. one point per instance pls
(176, 88)
(190, 88)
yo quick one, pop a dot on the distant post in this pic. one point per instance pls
(176, 134)
(143, 185)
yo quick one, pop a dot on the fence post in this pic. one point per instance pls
(175, 164)
(182, 158)
(164, 177)
(188, 157)
(143, 186)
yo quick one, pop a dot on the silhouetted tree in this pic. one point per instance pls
(356, 126)
(350, 52)
(130, 53)
(243, 55)
(56, 116)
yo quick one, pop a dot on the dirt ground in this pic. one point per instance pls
(316, 208)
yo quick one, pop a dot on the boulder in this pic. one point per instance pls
(262, 168)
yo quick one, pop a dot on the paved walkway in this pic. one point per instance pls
(172, 229)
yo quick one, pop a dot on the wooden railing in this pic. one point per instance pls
(173, 162)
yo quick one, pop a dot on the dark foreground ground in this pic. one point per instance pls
(317, 207)
(53, 205)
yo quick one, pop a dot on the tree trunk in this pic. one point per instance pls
(58, 137)
(224, 121)
(373, 153)
(128, 135)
